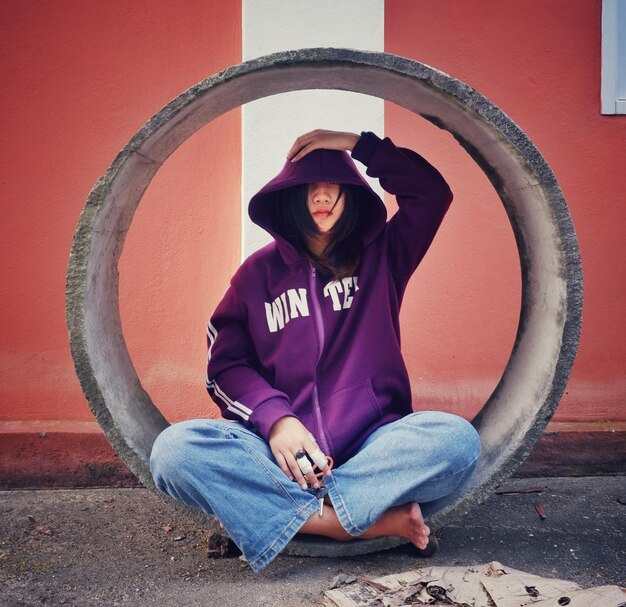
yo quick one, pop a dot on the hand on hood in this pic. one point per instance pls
(320, 139)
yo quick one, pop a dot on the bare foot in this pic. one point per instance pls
(402, 521)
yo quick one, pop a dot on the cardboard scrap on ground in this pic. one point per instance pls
(489, 585)
(517, 588)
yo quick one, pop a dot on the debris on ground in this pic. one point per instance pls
(39, 527)
(341, 580)
(541, 511)
(488, 585)
(167, 528)
(519, 491)
(220, 546)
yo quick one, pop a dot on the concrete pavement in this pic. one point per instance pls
(109, 547)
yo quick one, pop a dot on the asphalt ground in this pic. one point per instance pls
(115, 547)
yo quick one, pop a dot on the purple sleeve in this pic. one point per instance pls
(233, 381)
(423, 198)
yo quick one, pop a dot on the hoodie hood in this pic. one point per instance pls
(319, 165)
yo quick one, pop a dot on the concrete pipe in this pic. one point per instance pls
(515, 415)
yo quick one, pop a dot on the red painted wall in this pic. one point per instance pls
(540, 63)
(79, 79)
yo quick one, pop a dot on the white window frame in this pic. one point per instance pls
(613, 91)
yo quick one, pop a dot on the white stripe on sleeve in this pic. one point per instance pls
(232, 405)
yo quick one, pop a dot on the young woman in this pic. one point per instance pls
(304, 360)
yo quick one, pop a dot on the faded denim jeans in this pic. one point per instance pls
(229, 471)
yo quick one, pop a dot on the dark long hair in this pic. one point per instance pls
(293, 222)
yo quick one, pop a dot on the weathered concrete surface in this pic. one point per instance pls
(108, 548)
(536, 374)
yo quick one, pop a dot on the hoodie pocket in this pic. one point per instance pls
(350, 414)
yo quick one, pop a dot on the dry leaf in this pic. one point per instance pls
(540, 510)
(376, 585)
(37, 527)
(167, 528)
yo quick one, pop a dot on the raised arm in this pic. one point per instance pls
(423, 198)
(422, 193)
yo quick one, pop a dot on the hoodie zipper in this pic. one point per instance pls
(319, 323)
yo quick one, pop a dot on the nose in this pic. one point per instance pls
(321, 193)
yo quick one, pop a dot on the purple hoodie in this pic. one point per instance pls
(285, 341)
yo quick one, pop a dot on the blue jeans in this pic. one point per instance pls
(229, 471)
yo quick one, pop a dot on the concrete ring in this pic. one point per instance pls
(517, 412)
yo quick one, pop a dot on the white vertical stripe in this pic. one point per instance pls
(212, 334)
(231, 405)
(270, 125)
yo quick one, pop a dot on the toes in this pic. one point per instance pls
(423, 537)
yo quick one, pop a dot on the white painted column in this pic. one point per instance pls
(270, 125)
